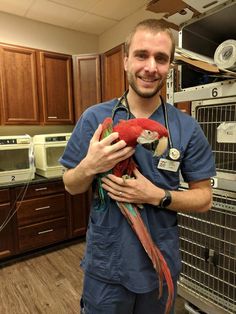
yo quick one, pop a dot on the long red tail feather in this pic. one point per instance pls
(158, 261)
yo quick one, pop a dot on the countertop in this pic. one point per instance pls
(38, 179)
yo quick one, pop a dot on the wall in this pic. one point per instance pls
(34, 129)
(26, 32)
(21, 31)
(107, 40)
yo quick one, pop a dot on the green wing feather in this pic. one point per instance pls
(107, 129)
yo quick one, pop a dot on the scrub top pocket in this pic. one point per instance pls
(102, 253)
(168, 242)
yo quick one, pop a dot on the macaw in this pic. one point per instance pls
(154, 137)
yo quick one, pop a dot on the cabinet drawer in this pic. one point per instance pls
(41, 189)
(42, 234)
(39, 209)
(4, 196)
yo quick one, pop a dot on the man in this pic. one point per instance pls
(119, 277)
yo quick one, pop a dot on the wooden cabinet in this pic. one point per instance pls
(42, 216)
(78, 213)
(113, 73)
(87, 82)
(55, 80)
(96, 81)
(184, 106)
(36, 86)
(19, 102)
(7, 234)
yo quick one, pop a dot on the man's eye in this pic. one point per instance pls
(161, 59)
(141, 56)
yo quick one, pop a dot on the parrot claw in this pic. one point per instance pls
(125, 177)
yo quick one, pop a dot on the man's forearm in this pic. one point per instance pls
(79, 179)
(198, 198)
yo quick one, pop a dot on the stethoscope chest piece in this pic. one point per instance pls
(174, 154)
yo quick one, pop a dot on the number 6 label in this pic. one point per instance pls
(216, 92)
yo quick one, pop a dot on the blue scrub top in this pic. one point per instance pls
(113, 253)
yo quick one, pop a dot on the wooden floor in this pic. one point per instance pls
(48, 282)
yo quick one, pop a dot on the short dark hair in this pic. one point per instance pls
(154, 26)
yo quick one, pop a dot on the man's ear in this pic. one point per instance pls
(125, 63)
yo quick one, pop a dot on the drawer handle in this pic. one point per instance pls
(45, 231)
(44, 207)
(41, 189)
(51, 117)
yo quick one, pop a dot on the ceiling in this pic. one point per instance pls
(98, 16)
(89, 16)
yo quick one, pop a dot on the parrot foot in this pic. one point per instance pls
(126, 176)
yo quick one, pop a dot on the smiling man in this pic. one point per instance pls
(119, 276)
(147, 61)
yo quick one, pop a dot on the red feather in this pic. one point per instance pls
(129, 130)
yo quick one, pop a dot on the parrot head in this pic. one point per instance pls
(148, 133)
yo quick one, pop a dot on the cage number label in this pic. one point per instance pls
(214, 182)
(216, 92)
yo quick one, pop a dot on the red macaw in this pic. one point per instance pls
(153, 136)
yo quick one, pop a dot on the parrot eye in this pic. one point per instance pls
(148, 133)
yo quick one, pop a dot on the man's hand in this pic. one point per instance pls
(105, 154)
(138, 190)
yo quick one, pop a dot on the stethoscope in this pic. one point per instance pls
(122, 104)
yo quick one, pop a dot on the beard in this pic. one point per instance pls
(146, 93)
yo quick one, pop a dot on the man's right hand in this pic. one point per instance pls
(105, 154)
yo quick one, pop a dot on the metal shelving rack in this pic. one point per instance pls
(208, 240)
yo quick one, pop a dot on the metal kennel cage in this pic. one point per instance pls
(208, 240)
(208, 248)
(217, 118)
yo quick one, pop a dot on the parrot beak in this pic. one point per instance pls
(161, 146)
(151, 141)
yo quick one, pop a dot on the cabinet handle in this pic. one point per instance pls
(44, 207)
(52, 117)
(41, 189)
(45, 231)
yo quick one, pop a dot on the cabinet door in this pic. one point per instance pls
(78, 213)
(113, 73)
(87, 83)
(7, 234)
(55, 78)
(19, 94)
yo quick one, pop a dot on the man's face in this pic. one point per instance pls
(148, 62)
